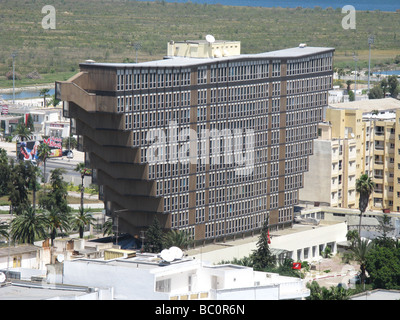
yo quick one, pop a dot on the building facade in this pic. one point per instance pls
(212, 146)
(372, 126)
(331, 180)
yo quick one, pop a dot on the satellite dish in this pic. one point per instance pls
(2, 277)
(167, 255)
(210, 38)
(60, 258)
(177, 252)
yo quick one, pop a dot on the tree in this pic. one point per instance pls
(177, 238)
(32, 175)
(352, 236)
(376, 92)
(43, 154)
(29, 123)
(5, 171)
(360, 252)
(28, 226)
(56, 197)
(81, 168)
(385, 86)
(383, 267)
(154, 237)
(108, 227)
(82, 219)
(393, 85)
(321, 293)
(262, 257)
(364, 186)
(44, 93)
(22, 132)
(349, 83)
(351, 96)
(17, 187)
(70, 142)
(57, 221)
(53, 101)
(4, 229)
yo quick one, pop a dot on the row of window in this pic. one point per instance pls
(134, 79)
(318, 63)
(304, 85)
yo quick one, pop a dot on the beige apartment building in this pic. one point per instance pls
(371, 131)
(332, 175)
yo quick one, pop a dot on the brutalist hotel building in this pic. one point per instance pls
(207, 140)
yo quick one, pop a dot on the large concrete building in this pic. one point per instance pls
(212, 142)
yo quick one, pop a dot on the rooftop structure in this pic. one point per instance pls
(148, 277)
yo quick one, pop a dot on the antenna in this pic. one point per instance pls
(210, 38)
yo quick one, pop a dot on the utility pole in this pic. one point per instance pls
(370, 42)
(14, 55)
(137, 46)
(355, 75)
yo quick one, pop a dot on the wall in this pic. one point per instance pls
(317, 181)
(126, 284)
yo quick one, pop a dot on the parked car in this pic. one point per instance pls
(68, 153)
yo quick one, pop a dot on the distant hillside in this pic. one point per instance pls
(105, 31)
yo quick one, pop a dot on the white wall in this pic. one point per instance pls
(126, 284)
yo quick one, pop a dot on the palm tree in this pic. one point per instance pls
(360, 251)
(80, 167)
(177, 238)
(44, 93)
(108, 227)
(82, 219)
(4, 229)
(32, 175)
(28, 226)
(364, 186)
(22, 132)
(57, 221)
(43, 154)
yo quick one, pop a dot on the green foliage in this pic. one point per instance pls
(22, 132)
(322, 293)
(154, 236)
(56, 197)
(82, 219)
(360, 252)
(383, 267)
(262, 257)
(18, 187)
(376, 92)
(28, 226)
(177, 238)
(5, 171)
(89, 30)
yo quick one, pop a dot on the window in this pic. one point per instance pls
(163, 285)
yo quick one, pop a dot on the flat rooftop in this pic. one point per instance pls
(366, 106)
(22, 290)
(294, 53)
